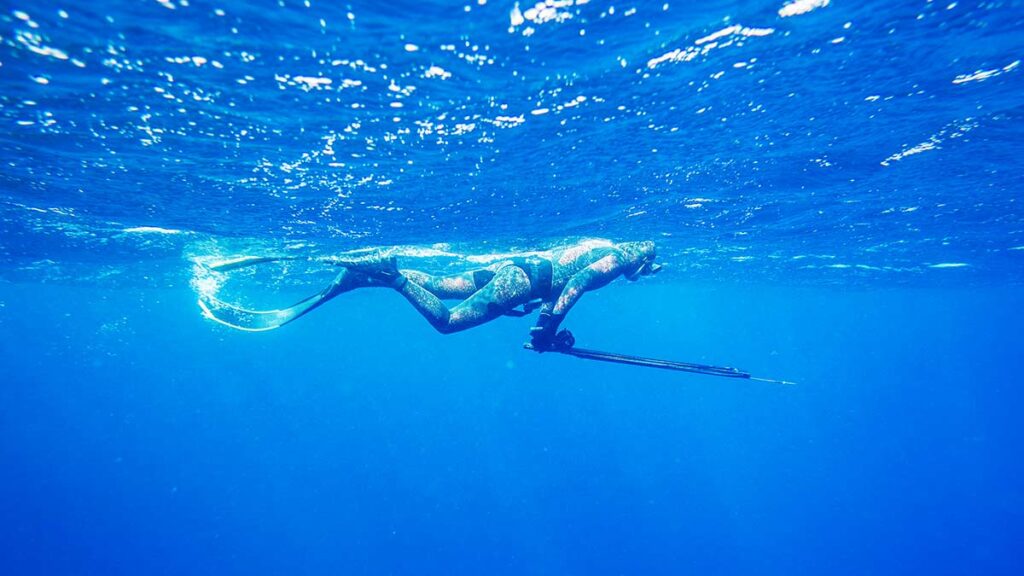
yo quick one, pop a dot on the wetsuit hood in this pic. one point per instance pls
(644, 254)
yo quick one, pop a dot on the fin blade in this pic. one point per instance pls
(253, 320)
(245, 262)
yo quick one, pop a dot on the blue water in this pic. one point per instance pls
(835, 187)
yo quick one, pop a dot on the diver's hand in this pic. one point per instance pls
(564, 340)
(545, 340)
(541, 339)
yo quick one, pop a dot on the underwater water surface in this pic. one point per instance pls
(833, 186)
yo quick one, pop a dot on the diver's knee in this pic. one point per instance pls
(443, 325)
(416, 277)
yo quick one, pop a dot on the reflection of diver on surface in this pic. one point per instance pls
(552, 281)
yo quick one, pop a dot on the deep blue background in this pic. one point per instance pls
(137, 438)
(839, 202)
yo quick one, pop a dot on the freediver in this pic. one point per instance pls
(552, 281)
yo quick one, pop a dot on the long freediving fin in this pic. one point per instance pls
(246, 261)
(261, 320)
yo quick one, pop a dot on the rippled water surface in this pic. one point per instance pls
(830, 141)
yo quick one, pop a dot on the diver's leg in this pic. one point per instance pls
(446, 287)
(509, 288)
(427, 304)
(382, 268)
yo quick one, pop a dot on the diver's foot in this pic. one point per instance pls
(382, 267)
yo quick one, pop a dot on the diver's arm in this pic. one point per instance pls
(592, 277)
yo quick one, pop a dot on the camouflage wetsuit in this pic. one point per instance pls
(556, 278)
